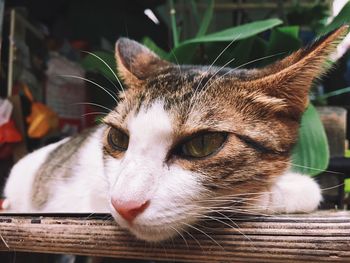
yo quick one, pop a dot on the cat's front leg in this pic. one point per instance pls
(291, 193)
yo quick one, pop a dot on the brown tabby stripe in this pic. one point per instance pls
(57, 166)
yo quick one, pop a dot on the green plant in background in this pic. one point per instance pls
(322, 99)
(247, 45)
(92, 63)
(342, 18)
(314, 16)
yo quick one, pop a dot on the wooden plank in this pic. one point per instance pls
(323, 236)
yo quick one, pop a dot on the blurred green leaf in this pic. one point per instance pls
(311, 153)
(258, 51)
(242, 52)
(153, 46)
(332, 94)
(342, 18)
(237, 32)
(186, 50)
(347, 153)
(91, 63)
(284, 39)
(195, 11)
(206, 19)
(313, 16)
(238, 53)
(347, 186)
(174, 28)
(183, 54)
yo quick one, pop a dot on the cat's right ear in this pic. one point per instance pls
(135, 62)
(290, 79)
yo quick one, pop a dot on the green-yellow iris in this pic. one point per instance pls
(203, 144)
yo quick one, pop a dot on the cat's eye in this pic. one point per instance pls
(202, 145)
(118, 140)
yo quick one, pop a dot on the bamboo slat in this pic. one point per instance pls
(318, 237)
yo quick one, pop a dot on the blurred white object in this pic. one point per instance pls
(5, 111)
(344, 46)
(65, 89)
(149, 13)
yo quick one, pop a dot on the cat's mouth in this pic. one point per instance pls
(150, 233)
(153, 230)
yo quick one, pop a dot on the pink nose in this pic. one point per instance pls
(129, 210)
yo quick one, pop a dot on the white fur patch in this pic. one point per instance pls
(19, 184)
(86, 190)
(150, 138)
(292, 193)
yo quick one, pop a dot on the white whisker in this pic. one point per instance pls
(216, 59)
(92, 82)
(5, 243)
(94, 113)
(211, 65)
(332, 187)
(93, 104)
(179, 233)
(234, 223)
(245, 64)
(195, 239)
(112, 71)
(201, 231)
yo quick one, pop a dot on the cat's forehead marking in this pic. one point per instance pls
(152, 120)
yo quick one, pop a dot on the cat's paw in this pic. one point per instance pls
(293, 193)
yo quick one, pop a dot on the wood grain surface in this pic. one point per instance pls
(317, 237)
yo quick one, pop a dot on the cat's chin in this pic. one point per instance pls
(152, 234)
(149, 233)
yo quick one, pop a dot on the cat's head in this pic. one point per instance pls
(185, 141)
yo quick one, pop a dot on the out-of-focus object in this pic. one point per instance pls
(2, 7)
(8, 131)
(334, 121)
(340, 6)
(4, 204)
(42, 119)
(26, 52)
(65, 89)
(5, 111)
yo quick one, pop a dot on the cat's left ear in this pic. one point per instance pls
(135, 62)
(290, 79)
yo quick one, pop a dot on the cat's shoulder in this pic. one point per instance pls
(41, 166)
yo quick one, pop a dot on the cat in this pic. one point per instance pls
(182, 142)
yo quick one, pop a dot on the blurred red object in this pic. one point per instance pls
(80, 45)
(4, 204)
(9, 133)
(5, 151)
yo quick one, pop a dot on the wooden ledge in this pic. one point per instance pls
(317, 237)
